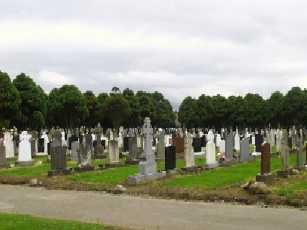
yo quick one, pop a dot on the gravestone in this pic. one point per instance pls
(237, 141)
(75, 151)
(170, 158)
(197, 144)
(58, 156)
(133, 150)
(229, 147)
(222, 146)
(126, 144)
(85, 154)
(113, 153)
(179, 143)
(258, 142)
(3, 162)
(161, 146)
(211, 155)
(265, 165)
(9, 145)
(299, 152)
(41, 145)
(24, 154)
(188, 150)
(244, 150)
(284, 152)
(98, 148)
(279, 136)
(147, 168)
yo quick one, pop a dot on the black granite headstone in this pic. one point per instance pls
(197, 143)
(258, 142)
(40, 145)
(170, 158)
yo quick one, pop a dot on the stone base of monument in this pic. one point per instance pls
(99, 156)
(267, 179)
(132, 162)
(212, 165)
(24, 163)
(283, 173)
(142, 179)
(112, 165)
(171, 172)
(194, 169)
(84, 168)
(4, 165)
(59, 172)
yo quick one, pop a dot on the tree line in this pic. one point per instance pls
(25, 105)
(252, 110)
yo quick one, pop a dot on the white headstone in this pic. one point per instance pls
(211, 155)
(24, 154)
(9, 145)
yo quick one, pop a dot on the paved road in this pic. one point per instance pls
(143, 213)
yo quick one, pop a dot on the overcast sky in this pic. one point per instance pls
(180, 47)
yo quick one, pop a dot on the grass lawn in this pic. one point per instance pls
(224, 176)
(114, 176)
(25, 222)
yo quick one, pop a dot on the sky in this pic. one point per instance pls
(180, 47)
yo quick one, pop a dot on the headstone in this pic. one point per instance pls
(211, 155)
(188, 150)
(161, 146)
(170, 158)
(98, 148)
(3, 162)
(229, 147)
(75, 151)
(237, 141)
(86, 152)
(58, 156)
(265, 166)
(147, 168)
(133, 149)
(113, 153)
(197, 144)
(179, 143)
(24, 154)
(244, 150)
(258, 142)
(9, 145)
(299, 151)
(284, 152)
(222, 146)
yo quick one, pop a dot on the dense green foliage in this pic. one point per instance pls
(250, 111)
(33, 107)
(9, 101)
(25, 105)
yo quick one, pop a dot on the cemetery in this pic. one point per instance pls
(240, 171)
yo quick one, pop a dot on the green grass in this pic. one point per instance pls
(25, 222)
(110, 176)
(114, 176)
(289, 190)
(224, 176)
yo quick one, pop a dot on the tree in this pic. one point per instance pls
(187, 114)
(220, 111)
(33, 101)
(9, 101)
(255, 111)
(67, 107)
(275, 109)
(116, 110)
(293, 107)
(92, 119)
